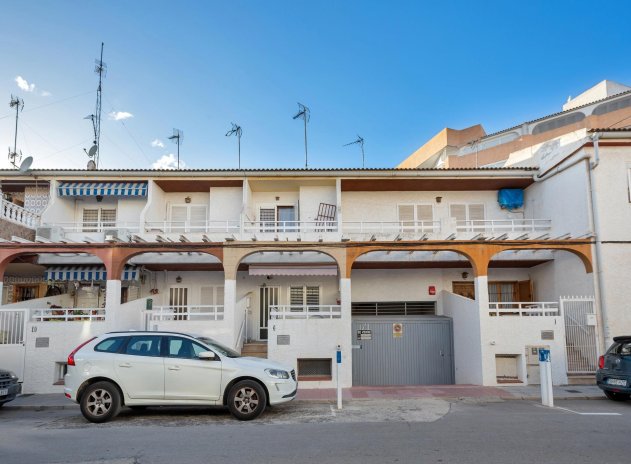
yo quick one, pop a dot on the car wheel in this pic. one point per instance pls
(616, 396)
(100, 402)
(247, 400)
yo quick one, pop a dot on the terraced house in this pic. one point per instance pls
(454, 267)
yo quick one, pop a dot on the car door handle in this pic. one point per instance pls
(124, 365)
(174, 368)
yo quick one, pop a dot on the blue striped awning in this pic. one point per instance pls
(86, 273)
(105, 189)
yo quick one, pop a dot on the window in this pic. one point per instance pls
(143, 345)
(110, 345)
(61, 369)
(304, 296)
(314, 369)
(502, 292)
(188, 218)
(469, 217)
(183, 348)
(622, 349)
(98, 219)
(414, 217)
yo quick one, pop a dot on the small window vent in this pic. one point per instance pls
(282, 339)
(547, 335)
(314, 369)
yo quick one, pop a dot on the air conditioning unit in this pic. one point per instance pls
(117, 235)
(52, 233)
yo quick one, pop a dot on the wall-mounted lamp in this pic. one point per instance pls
(99, 198)
(465, 275)
(439, 199)
(178, 279)
(187, 200)
(277, 198)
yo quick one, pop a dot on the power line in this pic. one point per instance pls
(49, 104)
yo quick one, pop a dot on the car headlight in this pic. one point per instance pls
(277, 374)
(13, 376)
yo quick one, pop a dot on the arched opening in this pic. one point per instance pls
(180, 291)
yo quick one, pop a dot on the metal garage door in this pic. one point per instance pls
(403, 350)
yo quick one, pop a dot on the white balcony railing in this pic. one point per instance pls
(67, 314)
(19, 215)
(530, 308)
(305, 312)
(186, 313)
(504, 225)
(385, 227)
(95, 226)
(253, 227)
(202, 227)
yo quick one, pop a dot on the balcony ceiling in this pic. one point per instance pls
(195, 185)
(436, 184)
(20, 185)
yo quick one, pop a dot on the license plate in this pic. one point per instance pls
(620, 382)
(4, 392)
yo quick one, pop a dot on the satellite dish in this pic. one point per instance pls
(92, 151)
(91, 165)
(26, 164)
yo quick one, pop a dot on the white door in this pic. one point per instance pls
(140, 368)
(186, 377)
(178, 302)
(268, 296)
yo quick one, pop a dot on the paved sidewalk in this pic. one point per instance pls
(448, 392)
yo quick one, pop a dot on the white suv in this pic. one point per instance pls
(139, 369)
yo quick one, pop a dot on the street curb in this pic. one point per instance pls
(9, 407)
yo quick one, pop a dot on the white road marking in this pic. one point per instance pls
(589, 413)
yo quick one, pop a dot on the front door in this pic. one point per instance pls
(178, 301)
(186, 377)
(268, 296)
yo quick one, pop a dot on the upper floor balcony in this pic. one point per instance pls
(18, 215)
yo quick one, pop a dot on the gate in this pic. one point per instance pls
(12, 340)
(403, 350)
(581, 336)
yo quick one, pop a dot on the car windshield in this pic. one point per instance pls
(218, 347)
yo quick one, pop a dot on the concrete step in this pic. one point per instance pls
(255, 349)
(581, 379)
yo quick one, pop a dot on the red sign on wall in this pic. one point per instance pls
(432, 290)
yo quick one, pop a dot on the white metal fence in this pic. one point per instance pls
(530, 308)
(305, 311)
(12, 324)
(504, 225)
(67, 314)
(390, 227)
(186, 313)
(581, 336)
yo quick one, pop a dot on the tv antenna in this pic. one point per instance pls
(177, 138)
(94, 152)
(305, 114)
(236, 130)
(360, 142)
(14, 156)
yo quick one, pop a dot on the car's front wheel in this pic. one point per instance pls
(100, 402)
(617, 396)
(247, 400)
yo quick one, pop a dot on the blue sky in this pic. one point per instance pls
(394, 72)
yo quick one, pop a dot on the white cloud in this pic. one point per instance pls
(45, 93)
(24, 85)
(167, 162)
(157, 143)
(120, 115)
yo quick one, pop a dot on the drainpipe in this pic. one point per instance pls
(594, 225)
(594, 219)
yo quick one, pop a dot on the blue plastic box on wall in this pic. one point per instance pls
(510, 198)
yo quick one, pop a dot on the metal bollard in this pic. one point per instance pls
(545, 371)
(337, 376)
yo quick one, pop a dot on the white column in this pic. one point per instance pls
(230, 308)
(112, 304)
(487, 354)
(1, 288)
(338, 199)
(345, 337)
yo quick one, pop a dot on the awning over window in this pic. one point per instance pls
(105, 189)
(302, 270)
(86, 273)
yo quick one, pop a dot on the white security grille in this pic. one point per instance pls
(580, 335)
(12, 327)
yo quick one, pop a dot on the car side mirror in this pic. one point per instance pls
(207, 356)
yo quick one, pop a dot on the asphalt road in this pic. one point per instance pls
(381, 431)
